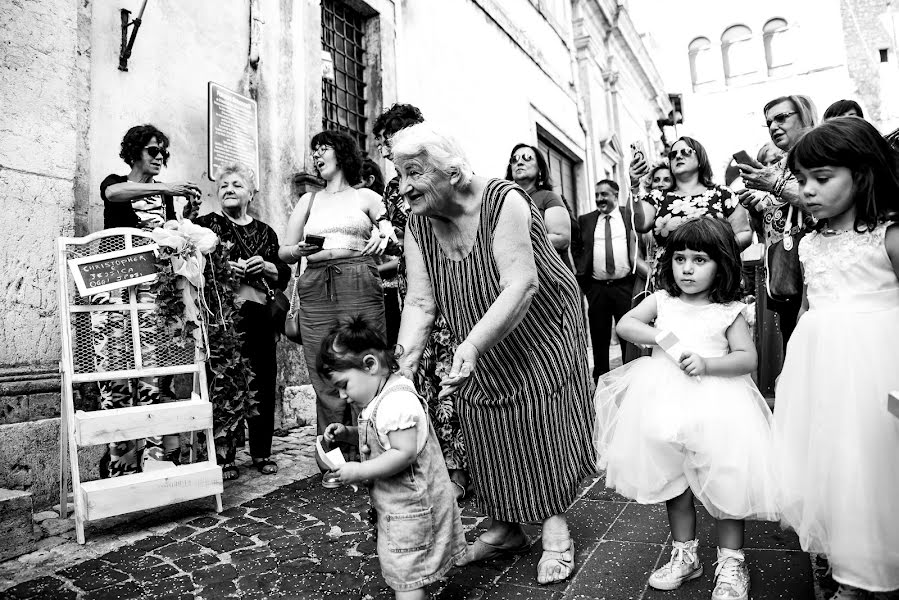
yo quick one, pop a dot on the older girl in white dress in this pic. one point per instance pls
(836, 443)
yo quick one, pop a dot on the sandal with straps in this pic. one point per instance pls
(564, 558)
(266, 466)
(230, 472)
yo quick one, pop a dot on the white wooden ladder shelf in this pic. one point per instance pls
(115, 336)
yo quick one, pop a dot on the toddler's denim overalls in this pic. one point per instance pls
(420, 533)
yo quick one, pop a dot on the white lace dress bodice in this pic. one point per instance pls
(701, 329)
(849, 272)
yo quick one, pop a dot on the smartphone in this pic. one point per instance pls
(742, 157)
(315, 240)
(637, 151)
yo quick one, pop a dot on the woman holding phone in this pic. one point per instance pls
(333, 230)
(694, 195)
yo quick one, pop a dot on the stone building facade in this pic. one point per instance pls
(571, 76)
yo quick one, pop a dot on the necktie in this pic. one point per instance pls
(610, 255)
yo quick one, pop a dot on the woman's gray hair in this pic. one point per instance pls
(805, 109)
(239, 169)
(442, 152)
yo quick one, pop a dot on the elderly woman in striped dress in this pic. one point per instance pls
(478, 253)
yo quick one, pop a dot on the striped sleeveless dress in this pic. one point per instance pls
(526, 412)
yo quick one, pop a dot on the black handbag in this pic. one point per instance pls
(278, 307)
(782, 269)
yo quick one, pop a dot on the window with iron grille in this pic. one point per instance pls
(343, 100)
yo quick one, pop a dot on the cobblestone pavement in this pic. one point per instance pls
(294, 539)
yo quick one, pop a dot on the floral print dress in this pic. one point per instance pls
(673, 209)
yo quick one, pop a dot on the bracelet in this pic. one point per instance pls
(294, 252)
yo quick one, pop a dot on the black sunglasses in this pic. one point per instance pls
(155, 151)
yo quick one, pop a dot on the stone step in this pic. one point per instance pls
(16, 526)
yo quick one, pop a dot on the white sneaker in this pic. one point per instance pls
(683, 566)
(847, 592)
(731, 576)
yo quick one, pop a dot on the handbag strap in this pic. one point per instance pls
(308, 210)
(235, 233)
(294, 298)
(242, 242)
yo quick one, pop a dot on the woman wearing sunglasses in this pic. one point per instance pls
(773, 197)
(694, 195)
(529, 170)
(137, 199)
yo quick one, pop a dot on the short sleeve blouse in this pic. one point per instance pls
(673, 209)
(546, 199)
(400, 409)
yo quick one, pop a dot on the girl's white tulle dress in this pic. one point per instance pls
(836, 445)
(660, 431)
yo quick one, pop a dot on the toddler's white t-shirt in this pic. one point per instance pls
(399, 410)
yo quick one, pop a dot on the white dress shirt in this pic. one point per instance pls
(619, 247)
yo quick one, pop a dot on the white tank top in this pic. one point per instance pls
(343, 224)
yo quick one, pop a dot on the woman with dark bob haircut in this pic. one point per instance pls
(844, 108)
(332, 230)
(528, 169)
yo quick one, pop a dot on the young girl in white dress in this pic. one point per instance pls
(419, 535)
(836, 445)
(690, 422)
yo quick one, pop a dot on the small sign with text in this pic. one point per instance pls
(114, 270)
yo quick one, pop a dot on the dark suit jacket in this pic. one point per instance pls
(582, 245)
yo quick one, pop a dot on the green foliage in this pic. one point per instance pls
(228, 370)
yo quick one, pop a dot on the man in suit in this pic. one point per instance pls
(606, 259)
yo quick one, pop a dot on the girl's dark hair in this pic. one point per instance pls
(370, 167)
(841, 107)
(544, 181)
(856, 145)
(349, 158)
(347, 344)
(714, 237)
(136, 140)
(395, 118)
(702, 157)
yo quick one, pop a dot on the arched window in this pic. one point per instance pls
(736, 50)
(778, 47)
(702, 64)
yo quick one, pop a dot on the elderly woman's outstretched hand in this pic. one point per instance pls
(465, 359)
(759, 177)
